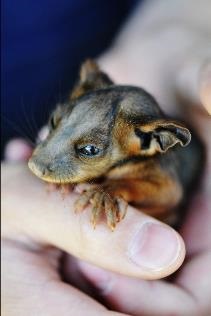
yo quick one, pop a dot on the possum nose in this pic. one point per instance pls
(38, 168)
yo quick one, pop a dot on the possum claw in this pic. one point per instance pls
(102, 202)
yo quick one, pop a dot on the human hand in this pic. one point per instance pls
(163, 298)
(38, 226)
(169, 60)
(165, 47)
(188, 293)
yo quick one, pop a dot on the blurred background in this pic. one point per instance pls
(43, 44)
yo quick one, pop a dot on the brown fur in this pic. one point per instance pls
(139, 156)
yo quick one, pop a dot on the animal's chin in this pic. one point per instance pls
(56, 180)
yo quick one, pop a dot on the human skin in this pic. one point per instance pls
(189, 292)
(38, 226)
(168, 59)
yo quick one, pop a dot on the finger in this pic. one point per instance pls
(139, 297)
(194, 81)
(205, 86)
(32, 285)
(17, 150)
(155, 298)
(196, 228)
(140, 246)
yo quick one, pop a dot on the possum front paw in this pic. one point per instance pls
(102, 201)
(65, 189)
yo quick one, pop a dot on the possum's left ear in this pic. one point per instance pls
(160, 135)
(90, 78)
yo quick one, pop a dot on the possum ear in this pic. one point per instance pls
(160, 135)
(90, 78)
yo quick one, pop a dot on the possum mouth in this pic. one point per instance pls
(46, 175)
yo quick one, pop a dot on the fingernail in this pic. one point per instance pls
(97, 276)
(154, 247)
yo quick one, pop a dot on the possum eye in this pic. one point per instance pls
(88, 151)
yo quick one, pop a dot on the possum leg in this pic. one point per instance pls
(102, 201)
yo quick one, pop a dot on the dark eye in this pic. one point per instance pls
(89, 150)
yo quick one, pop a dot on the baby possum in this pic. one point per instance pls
(117, 138)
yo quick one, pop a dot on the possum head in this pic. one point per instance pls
(98, 129)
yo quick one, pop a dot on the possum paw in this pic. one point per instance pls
(114, 208)
(65, 189)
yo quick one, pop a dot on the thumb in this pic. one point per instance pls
(140, 246)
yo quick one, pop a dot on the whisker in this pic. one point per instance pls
(26, 118)
(20, 131)
(32, 115)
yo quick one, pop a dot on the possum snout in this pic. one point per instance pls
(51, 170)
(40, 169)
